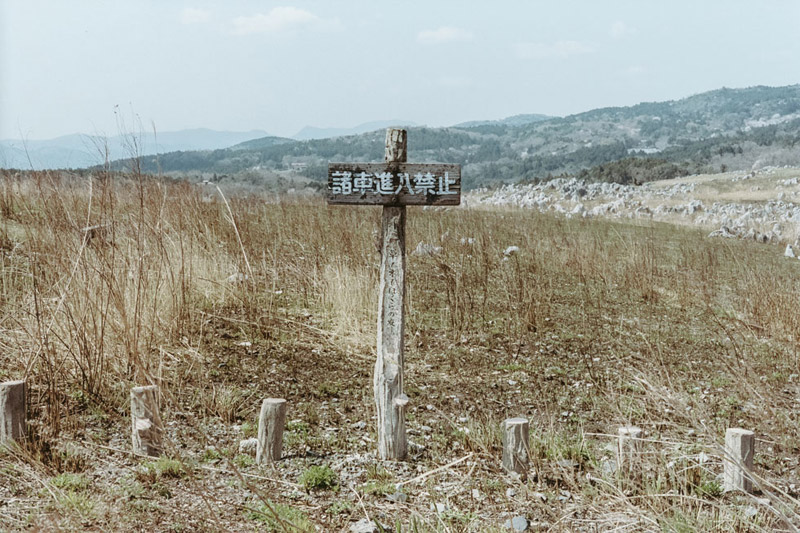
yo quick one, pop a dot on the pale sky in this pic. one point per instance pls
(278, 66)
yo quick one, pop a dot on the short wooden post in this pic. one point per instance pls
(629, 446)
(738, 459)
(270, 430)
(388, 379)
(516, 432)
(12, 411)
(147, 428)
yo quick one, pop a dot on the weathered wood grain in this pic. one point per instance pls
(388, 378)
(629, 451)
(12, 411)
(738, 460)
(270, 430)
(516, 432)
(147, 429)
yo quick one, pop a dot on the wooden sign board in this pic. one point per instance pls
(394, 184)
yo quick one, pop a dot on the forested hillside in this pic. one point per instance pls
(717, 130)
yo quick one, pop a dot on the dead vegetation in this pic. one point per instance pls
(589, 326)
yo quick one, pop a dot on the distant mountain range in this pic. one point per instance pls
(80, 151)
(312, 132)
(516, 120)
(725, 129)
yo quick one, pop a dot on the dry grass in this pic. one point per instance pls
(756, 186)
(592, 325)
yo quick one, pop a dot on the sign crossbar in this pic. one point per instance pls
(394, 183)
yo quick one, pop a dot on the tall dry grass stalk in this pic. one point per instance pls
(89, 309)
(590, 324)
(349, 295)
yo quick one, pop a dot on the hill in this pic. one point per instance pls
(516, 120)
(726, 129)
(312, 132)
(79, 151)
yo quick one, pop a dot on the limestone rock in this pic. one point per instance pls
(518, 523)
(364, 526)
(724, 231)
(427, 249)
(248, 446)
(399, 497)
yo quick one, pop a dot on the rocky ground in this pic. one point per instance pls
(763, 205)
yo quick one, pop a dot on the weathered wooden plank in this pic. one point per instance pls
(12, 411)
(629, 453)
(388, 382)
(147, 429)
(394, 184)
(738, 460)
(388, 379)
(270, 430)
(516, 433)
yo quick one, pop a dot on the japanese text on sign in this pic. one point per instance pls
(394, 183)
(345, 182)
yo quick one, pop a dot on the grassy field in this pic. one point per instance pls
(751, 187)
(221, 302)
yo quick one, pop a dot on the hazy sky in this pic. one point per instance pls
(65, 66)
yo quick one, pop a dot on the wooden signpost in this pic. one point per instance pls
(393, 184)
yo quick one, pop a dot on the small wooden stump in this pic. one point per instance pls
(515, 445)
(147, 428)
(629, 446)
(270, 430)
(738, 459)
(12, 411)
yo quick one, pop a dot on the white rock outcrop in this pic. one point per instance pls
(763, 221)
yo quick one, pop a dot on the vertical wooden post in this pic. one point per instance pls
(146, 422)
(388, 381)
(12, 411)
(270, 430)
(629, 447)
(738, 460)
(516, 432)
